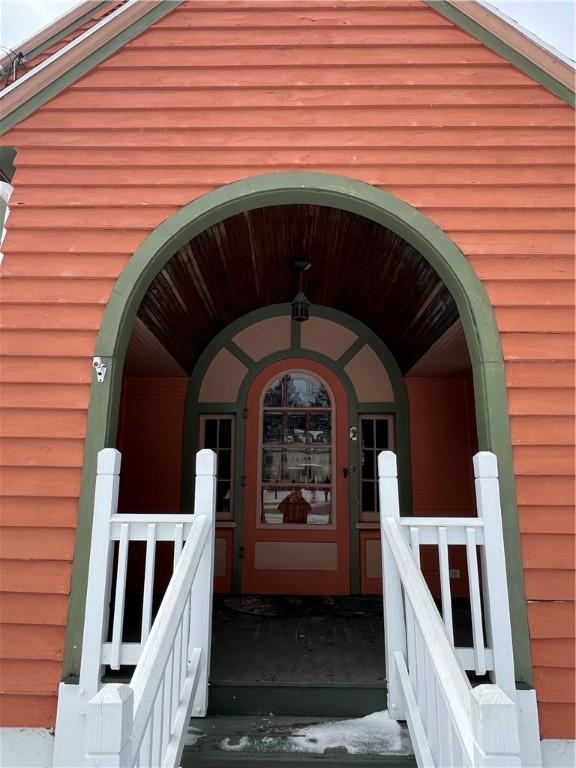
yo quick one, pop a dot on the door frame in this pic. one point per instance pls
(340, 532)
(474, 309)
(399, 408)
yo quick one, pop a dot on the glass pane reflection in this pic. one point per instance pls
(296, 453)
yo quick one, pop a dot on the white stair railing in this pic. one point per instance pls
(143, 724)
(450, 723)
(115, 538)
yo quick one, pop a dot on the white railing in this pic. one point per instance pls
(115, 539)
(451, 723)
(143, 724)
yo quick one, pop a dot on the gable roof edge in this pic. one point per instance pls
(512, 44)
(56, 30)
(72, 62)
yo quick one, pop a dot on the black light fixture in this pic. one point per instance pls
(300, 304)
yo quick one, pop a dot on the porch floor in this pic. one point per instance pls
(311, 640)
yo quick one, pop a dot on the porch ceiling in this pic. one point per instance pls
(244, 263)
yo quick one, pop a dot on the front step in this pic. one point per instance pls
(297, 699)
(299, 656)
(373, 741)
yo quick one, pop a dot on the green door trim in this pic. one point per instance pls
(194, 409)
(356, 197)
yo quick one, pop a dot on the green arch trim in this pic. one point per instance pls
(355, 197)
(399, 408)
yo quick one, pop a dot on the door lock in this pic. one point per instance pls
(241, 554)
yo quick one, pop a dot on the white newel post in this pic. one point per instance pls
(496, 606)
(394, 621)
(202, 590)
(494, 728)
(109, 728)
(99, 574)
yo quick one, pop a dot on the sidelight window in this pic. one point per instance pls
(217, 433)
(375, 436)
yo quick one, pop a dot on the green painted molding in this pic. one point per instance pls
(7, 168)
(53, 88)
(193, 409)
(496, 44)
(444, 256)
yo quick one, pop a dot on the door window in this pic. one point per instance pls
(375, 436)
(296, 452)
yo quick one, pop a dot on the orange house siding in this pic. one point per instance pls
(387, 93)
(150, 440)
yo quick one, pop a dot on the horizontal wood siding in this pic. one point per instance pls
(385, 92)
(150, 440)
(442, 443)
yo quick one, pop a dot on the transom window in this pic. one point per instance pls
(296, 481)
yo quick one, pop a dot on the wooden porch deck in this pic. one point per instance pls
(312, 640)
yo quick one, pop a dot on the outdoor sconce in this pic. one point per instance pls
(300, 304)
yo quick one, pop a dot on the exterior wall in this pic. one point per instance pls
(150, 440)
(217, 92)
(442, 443)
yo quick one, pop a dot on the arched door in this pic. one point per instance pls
(296, 522)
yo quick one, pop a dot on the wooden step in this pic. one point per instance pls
(296, 741)
(299, 699)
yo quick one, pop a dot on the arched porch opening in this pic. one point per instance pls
(465, 302)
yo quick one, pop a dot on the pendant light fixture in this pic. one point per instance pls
(300, 304)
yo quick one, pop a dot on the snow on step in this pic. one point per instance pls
(375, 734)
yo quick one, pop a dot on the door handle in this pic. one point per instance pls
(241, 554)
(346, 470)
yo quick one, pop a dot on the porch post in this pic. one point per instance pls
(203, 586)
(394, 620)
(493, 559)
(99, 574)
(494, 728)
(109, 728)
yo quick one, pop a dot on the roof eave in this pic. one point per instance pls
(73, 61)
(512, 43)
(57, 30)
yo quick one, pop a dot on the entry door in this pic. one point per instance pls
(296, 522)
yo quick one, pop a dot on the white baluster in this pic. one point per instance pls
(148, 581)
(419, 677)
(475, 602)
(415, 544)
(120, 595)
(178, 542)
(445, 582)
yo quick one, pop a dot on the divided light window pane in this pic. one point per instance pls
(217, 433)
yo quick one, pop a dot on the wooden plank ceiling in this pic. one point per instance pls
(244, 263)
